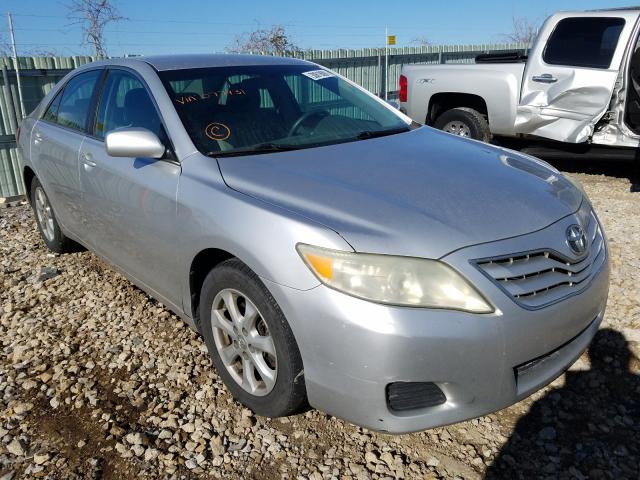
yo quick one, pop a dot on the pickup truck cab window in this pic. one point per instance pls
(584, 42)
(76, 100)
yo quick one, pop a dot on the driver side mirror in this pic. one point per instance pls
(133, 142)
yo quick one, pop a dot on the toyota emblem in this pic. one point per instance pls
(576, 239)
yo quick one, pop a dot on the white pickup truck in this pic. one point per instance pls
(579, 84)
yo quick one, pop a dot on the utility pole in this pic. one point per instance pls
(386, 62)
(15, 64)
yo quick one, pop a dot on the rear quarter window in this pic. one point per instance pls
(588, 42)
(52, 112)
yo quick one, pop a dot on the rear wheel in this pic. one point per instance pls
(464, 122)
(49, 228)
(250, 342)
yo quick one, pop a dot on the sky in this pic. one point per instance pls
(183, 26)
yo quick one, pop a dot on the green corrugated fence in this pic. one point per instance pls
(365, 67)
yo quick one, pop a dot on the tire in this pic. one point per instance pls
(50, 231)
(277, 394)
(464, 122)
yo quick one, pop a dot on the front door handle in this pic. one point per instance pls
(87, 159)
(544, 78)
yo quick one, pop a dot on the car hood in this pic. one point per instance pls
(423, 193)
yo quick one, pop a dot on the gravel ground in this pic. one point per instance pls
(97, 380)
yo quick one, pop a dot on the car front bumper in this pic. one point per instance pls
(353, 349)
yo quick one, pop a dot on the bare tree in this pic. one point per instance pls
(93, 16)
(421, 41)
(5, 46)
(274, 40)
(7, 51)
(43, 52)
(523, 30)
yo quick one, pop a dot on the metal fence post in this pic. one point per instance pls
(8, 99)
(16, 66)
(380, 77)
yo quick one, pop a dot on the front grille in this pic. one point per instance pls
(536, 279)
(402, 396)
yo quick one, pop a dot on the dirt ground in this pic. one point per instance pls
(100, 381)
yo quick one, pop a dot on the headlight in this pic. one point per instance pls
(584, 213)
(388, 279)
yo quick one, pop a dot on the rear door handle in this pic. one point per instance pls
(37, 138)
(544, 78)
(88, 161)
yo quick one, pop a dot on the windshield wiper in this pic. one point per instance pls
(270, 147)
(365, 134)
(254, 150)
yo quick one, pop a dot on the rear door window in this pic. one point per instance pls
(76, 100)
(588, 42)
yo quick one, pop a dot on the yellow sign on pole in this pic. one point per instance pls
(391, 39)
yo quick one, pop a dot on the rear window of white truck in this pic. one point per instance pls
(588, 42)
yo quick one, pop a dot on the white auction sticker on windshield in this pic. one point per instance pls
(318, 74)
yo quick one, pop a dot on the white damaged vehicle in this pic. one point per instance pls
(580, 84)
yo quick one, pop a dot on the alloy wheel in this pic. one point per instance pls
(44, 214)
(243, 341)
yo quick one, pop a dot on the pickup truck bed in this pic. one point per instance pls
(448, 86)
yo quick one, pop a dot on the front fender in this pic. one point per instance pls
(262, 235)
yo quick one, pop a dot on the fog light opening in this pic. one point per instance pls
(403, 396)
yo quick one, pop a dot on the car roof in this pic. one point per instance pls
(615, 9)
(178, 62)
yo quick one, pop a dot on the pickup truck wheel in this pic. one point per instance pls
(49, 228)
(464, 122)
(250, 342)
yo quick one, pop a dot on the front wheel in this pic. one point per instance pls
(464, 122)
(250, 342)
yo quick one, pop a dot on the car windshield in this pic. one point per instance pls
(256, 109)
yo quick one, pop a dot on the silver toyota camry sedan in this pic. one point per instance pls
(331, 252)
